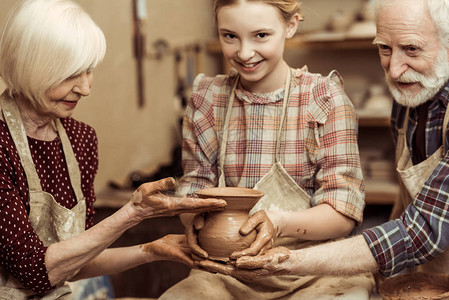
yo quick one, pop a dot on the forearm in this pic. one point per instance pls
(64, 259)
(112, 261)
(321, 222)
(344, 257)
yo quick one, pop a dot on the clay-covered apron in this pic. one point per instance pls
(281, 192)
(51, 221)
(412, 179)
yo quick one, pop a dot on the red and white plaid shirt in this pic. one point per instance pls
(318, 145)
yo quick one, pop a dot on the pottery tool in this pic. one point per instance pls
(139, 17)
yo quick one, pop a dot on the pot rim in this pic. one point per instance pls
(241, 192)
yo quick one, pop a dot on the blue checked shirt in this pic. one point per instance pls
(422, 231)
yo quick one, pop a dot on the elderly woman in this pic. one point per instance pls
(48, 161)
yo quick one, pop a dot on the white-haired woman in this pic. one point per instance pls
(48, 161)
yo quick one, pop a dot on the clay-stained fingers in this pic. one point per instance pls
(198, 205)
(192, 241)
(161, 185)
(171, 247)
(170, 206)
(270, 261)
(231, 270)
(214, 267)
(260, 222)
(253, 222)
(265, 235)
(198, 221)
(149, 194)
(259, 246)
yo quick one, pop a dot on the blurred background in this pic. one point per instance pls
(156, 48)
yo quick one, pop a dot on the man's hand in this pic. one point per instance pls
(265, 235)
(273, 262)
(171, 247)
(153, 203)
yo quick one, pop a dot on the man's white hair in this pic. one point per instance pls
(439, 13)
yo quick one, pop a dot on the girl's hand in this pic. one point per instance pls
(266, 234)
(171, 247)
(152, 203)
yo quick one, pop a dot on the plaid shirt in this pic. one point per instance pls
(421, 233)
(318, 143)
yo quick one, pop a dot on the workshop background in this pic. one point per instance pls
(156, 48)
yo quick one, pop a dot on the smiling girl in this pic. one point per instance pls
(284, 131)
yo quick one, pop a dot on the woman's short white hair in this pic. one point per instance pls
(45, 42)
(439, 12)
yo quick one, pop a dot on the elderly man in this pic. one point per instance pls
(413, 41)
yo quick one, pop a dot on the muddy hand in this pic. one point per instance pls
(231, 270)
(274, 260)
(265, 235)
(192, 236)
(148, 196)
(171, 247)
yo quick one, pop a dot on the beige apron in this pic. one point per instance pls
(51, 221)
(281, 192)
(412, 179)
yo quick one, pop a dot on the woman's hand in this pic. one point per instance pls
(266, 234)
(153, 203)
(273, 262)
(171, 247)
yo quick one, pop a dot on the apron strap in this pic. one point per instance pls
(443, 129)
(14, 121)
(72, 164)
(224, 140)
(284, 114)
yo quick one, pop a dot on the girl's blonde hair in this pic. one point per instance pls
(287, 8)
(45, 42)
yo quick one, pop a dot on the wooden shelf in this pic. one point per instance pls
(381, 192)
(305, 42)
(374, 121)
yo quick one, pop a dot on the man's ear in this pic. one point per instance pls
(292, 25)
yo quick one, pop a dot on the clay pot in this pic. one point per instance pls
(220, 235)
(414, 286)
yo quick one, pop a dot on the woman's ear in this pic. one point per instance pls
(292, 25)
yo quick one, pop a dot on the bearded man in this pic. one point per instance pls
(413, 42)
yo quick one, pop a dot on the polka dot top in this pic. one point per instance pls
(21, 251)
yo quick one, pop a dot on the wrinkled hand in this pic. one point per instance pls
(273, 262)
(192, 230)
(149, 198)
(266, 234)
(171, 247)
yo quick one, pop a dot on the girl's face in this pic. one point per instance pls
(62, 99)
(252, 37)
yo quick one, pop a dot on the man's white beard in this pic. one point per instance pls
(431, 85)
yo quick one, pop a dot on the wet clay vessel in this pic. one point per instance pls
(414, 286)
(220, 235)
